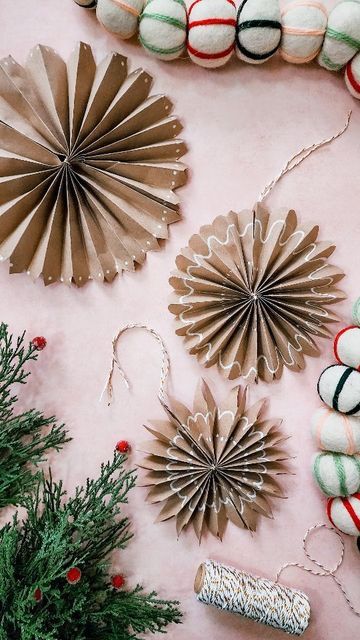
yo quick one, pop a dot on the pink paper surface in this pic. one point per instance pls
(241, 124)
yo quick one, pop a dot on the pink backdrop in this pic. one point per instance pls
(241, 124)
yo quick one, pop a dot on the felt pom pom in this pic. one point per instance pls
(356, 311)
(344, 514)
(352, 81)
(162, 29)
(339, 388)
(258, 30)
(303, 29)
(38, 595)
(86, 4)
(333, 431)
(337, 474)
(347, 347)
(119, 16)
(73, 576)
(211, 32)
(39, 343)
(342, 37)
(117, 581)
(123, 446)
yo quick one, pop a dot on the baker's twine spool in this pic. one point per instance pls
(261, 599)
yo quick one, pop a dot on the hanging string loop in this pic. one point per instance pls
(324, 570)
(165, 363)
(300, 156)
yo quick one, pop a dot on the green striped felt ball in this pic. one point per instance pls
(342, 37)
(162, 28)
(337, 474)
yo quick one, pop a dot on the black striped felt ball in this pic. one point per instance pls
(258, 30)
(339, 388)
(86, 4)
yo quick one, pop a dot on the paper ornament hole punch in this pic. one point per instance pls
(89, 162)
(252, 291)
(212, 463)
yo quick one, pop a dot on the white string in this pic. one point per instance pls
(326, 571)
(165, 363)
(300, 156)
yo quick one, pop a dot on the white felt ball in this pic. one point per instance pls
(87, 4)
(337, 474)
(303, 30)
(334, 431)
(258, 30)
(352, 81)
(342, 38)
(339, 388)
(347, 347)
(344, 514)
(162, 29)
(211, 32)
(120, 17)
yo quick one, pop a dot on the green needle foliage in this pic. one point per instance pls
(24, 438)
(57, 535)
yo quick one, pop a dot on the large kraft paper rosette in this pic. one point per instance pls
(214, 463)
(88, 166)
(250, 292)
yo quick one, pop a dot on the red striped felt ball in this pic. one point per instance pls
(347, 347)
(352, 76)
(211, 32)
(344, 514)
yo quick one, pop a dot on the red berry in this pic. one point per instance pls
(73, 576)
(37, 595)
(117, 581)
(39, 343)
(123, 446)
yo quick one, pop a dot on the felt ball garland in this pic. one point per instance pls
(210, 30)
(336, 430)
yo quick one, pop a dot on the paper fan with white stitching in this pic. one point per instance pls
(88, 165)
(250, 292)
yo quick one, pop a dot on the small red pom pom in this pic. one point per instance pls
(73, 576)
(123, 446)
(39, 342)
(117, 581)
(37, 595)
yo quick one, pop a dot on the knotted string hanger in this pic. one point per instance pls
(325, 571)
(165, 363)
(301, 155)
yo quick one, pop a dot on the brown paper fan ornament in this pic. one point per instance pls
(252, 290)
(214, 463)
(88, 165)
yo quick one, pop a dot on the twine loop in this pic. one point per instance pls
(325, 571)
(165, 363)
(301, 155)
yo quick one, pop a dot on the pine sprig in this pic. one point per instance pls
(26, 438)
(58, 534)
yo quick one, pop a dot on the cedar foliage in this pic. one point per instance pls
(25, 438)
(59, 534)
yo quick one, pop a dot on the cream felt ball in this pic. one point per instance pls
(352, 81)
(339, 388)
(347, 347)
(211, 32)
(342, 37)
(120, 17)
(258, 30)
(86, 4)
(337, 474)
(334, 431)
(356, 305)
(303, 29)
(162, 28)
(344, 514)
